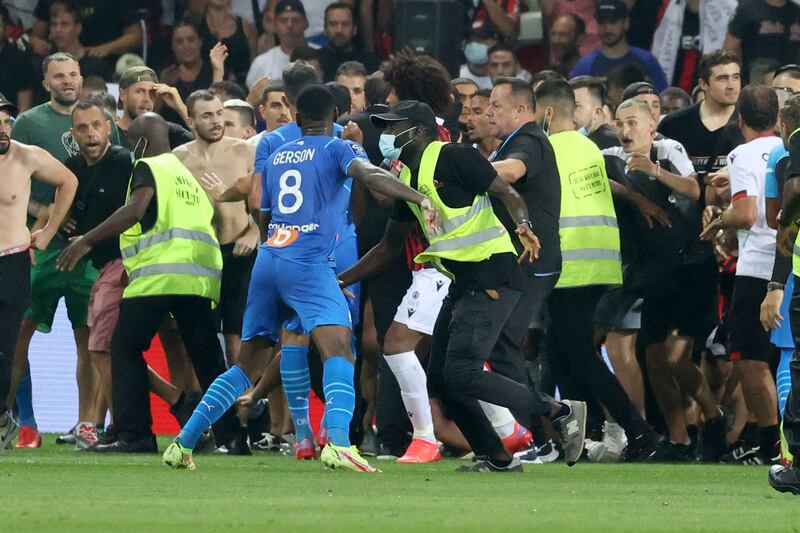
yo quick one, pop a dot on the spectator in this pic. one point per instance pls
(273, 108)
(478, 128)
(228, 90)
(353, 76)
(590, 118)
(17, 77)
(674, 99)
(566, 35)
(585, 9)
(764, 29)
(503, 63)
(466, 89)
(189, 71)
(612, 16)
(315, 33)
(65, 34)
(240, 119)
(340, 30)
(496, 17)
(310, 56)
(238, 35)
(620, 77)
(290, 23)
(476, 52)
(109, 28)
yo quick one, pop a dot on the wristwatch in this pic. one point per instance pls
(525, 222)
(775, 286)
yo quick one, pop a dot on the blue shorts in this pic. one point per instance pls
(346, 254)
(280, 289)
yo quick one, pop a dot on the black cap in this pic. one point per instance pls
(5, 105)
(611, 10)
(290, 5)
(638, 87)
(418, 113)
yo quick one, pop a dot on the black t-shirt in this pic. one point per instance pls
(102, 20)
(16, 73)
(461, 174)
(143, 177)
(707, 149)
(178, 135)
(540, 187)
(102, 189)
(604, 137)
(767, 32)
(331, 58)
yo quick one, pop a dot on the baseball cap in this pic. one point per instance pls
(638, 87)
(417, 113)
(135, 75)
(611, 10)
(5, 105)
(290, 5)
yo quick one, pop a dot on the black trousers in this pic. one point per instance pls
(15, 290)
(791, 415)
(466, 333)
(571, 338)
(139, 320)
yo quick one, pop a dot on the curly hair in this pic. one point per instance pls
(420, 77)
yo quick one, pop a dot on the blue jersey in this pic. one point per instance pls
(307, 192)
(277, 138)
(771, 181)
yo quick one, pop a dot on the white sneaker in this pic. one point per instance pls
(8, 432)
(610, 449)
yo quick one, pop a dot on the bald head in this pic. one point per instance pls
(148, 135)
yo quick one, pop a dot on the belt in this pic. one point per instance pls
(14, 250)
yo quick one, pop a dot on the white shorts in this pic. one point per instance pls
(423, 300)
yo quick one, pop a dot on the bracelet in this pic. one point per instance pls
(526, 222)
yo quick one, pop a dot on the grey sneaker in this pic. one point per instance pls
(8, 432)
(369, 446)
(572, 428)
(486, 465)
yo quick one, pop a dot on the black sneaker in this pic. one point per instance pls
(486, 465)
(548, 452)
(647, 446)
(713, 445)
(528, 455)
(369, 444)
(185, 406)
(108, 436)
(237, 444)
(678, 453)
(785, 479)
(742, 453)
(143, 445)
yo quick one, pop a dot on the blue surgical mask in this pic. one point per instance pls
(133, 152)
(583, 131)
(387, 147)
(476, 53)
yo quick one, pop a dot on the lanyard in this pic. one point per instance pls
(494, 155)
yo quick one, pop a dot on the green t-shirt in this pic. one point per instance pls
(46, 128)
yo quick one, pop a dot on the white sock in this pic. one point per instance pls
(501, 418)
(413, 388)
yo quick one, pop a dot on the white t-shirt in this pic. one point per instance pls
(256, 139)
(244, 9)
(666, 150)
(747, 168)
(271, 63)
(484, 82)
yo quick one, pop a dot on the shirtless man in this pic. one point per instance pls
(17, 163)
(238, 235)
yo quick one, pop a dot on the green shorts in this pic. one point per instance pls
(48, 286)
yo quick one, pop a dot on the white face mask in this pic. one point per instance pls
(387, 147)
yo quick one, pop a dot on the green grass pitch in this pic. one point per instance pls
(56, 488)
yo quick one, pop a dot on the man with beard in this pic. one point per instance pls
(138, 93)
(17, 163)
(230, 159)
(566, 35)
(340, 29)
(478, 127)
(48, 126)
(612, 17)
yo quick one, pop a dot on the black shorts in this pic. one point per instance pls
(233, 294)
(15, 287)
(690, 310)
(748, 339)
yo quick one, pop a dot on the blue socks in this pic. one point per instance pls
(340, 399)
(783, 378)
(25, 401)
(297, 386)
(219, 397)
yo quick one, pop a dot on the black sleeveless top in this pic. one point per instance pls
(238, 62)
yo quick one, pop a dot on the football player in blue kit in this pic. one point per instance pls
(307, 196)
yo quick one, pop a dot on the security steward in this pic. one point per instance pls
(476, 251)
(174, 265)
(591, 262)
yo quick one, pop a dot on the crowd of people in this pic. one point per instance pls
(584, 256)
